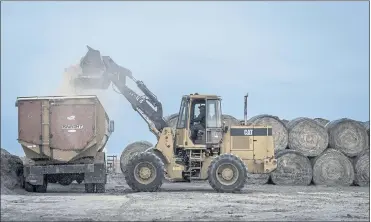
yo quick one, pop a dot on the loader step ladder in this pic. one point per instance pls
(195, 161)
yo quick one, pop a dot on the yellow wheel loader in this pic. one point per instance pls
(200, 148)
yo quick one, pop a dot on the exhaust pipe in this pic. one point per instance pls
(245, 109)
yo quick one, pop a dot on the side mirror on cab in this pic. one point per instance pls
(111, 127)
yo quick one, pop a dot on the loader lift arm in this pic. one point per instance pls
(148, 106)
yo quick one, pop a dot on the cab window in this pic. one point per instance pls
(196, 110)
(213, 115)
(182, 115)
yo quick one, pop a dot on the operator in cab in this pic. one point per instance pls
(201, 122)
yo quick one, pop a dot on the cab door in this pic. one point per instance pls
(181, 126)
(214, 131)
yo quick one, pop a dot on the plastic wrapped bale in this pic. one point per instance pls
(347, 136)
(130, 150)
(280, 134)
(307, 136)
(333, 168)
(321, 121)
(362, 169)
(293, 168)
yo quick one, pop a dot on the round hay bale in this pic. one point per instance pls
(257, 178)
(280, 134)
(321, 121)
(332, 168)
(230, 120)
(307, 136)
(367, 127)
(285, 121)
(130, 150)
(366, 124)
(293, 168)
(368, 138)
(348, 136)
(172, 120)
(362, 169)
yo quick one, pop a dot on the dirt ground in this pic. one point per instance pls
(185, 201)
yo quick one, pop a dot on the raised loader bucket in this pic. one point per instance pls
(93, 72)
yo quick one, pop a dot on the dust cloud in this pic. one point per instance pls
(67, 89)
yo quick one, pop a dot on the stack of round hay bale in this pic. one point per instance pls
(321, 152)
(346, 160)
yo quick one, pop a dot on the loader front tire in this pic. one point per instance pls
(227, 173)
(132, 149)
(144, 172)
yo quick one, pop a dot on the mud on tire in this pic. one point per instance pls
(144, 172)
(239, 176)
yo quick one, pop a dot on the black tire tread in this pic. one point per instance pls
(129, 172)
(41, 188)
(100, 188)
(29, 187)
(89, 188)
(132, 149)
(213, 167)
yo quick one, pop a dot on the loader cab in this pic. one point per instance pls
(208, 132)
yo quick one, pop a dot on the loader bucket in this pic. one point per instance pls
(93, 72)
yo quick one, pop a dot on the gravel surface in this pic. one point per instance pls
(189, 201)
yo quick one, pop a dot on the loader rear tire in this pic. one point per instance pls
(144, 172)
(227, 173)
(100, 187)
(41, 188)
(29, 187)
(89, 187)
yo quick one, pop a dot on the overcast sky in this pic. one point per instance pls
(293, 58)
